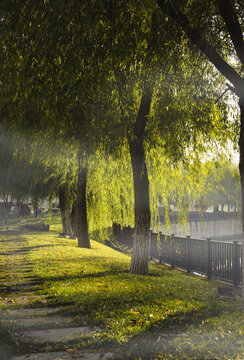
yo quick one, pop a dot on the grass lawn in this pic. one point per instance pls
(167, 315)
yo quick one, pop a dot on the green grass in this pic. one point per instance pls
(167, 315)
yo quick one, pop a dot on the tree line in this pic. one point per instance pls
(132, 81)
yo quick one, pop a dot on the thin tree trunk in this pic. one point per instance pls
(140, 253)
(68, 224)
(81, 208)
(35, 205)
(73, 220)
(61, 198)
(6, 209)
(241, 168)
(65, 209)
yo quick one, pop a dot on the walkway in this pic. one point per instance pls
(41, 333)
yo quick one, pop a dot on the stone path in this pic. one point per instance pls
(61, 355)
(33, 332)
(54, 335)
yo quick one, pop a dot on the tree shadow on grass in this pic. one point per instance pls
(24, 250)
(181, 337)
(10, 241)
(13, 233)
(119, 294)
(108, 269)
(101, 274)
(160, 335)
(167, 336)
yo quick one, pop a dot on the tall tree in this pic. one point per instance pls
(58, 77)
(226, 18)
(140, 255)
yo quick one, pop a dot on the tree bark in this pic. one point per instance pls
(241, 169)
(81, 208)
(140, 253)
(65, 209)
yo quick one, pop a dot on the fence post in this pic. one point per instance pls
(172, 250)
(187, 253)
(235, 261)
(160, 247)
(208, 258)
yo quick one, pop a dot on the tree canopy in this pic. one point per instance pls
(91, 81)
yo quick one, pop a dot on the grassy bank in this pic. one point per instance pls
(165, 315)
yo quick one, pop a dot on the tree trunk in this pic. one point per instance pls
(241, 168)
(35, 208)
(81, 208)
(140, 253)
(6, 209)
(35, 205)
(73, 220)
(235, 31)
(65, 209)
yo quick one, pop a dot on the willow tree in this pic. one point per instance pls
(222, 22)
(133, 68)
(58, 77)
(144, 58)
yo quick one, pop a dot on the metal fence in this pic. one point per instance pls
(220, 260)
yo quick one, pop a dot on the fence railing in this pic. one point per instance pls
(220, 260)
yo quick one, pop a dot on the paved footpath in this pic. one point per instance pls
(39, 333)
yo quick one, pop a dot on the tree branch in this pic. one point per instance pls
(224, 68)
(142, 116)
(233, 26)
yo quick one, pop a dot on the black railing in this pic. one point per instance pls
(219, 260)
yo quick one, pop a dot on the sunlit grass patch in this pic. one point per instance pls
(95, 284)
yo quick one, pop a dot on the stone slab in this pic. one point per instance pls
(13, 252)
(78, 355)
(23, 299)
(54, 335)
(31, 312)
(23, 287)
(41, 321)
